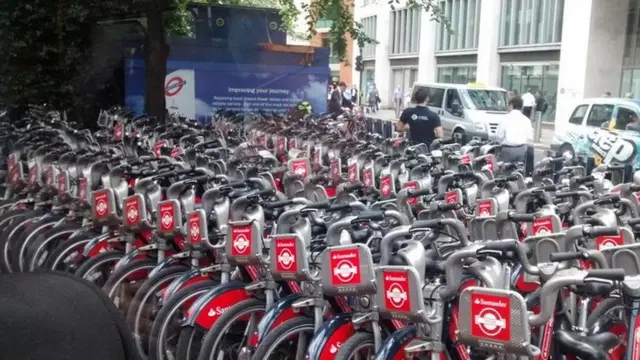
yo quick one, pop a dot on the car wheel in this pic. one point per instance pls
(567, 149)
(459, 134)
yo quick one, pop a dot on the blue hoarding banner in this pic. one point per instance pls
(248, 80)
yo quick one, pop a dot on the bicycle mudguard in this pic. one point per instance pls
(280, 312)
(190, 277)
(164, 264)
(96, 245)
(330, 336)
(393, 346)
(127, 258)
(208, 308)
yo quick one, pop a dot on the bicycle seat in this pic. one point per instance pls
(593, 289)
(589, 347)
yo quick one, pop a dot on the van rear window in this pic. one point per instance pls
(436, 95)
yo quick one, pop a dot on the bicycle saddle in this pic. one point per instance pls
(589, 347)
(593, 289)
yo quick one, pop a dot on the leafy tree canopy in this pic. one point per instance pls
(48, 49)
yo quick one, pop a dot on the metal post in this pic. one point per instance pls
(538, 126)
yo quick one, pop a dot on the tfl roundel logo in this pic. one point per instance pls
(491, 317)
(345, 267)
(286, 255)
(240, 244)
(396, 291)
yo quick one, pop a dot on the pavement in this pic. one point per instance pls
(542, 146)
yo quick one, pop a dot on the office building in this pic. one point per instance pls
(568, 49)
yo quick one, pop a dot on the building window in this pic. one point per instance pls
(405, 32)
(326, 43)
(464, 16)
(457, 74)
(544, 77)
(369, 25)
(531, 22)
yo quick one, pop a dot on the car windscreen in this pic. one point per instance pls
(481, 99)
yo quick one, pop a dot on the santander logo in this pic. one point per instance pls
(217, 311)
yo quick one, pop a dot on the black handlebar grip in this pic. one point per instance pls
(448, 207)
(426, 224)
(607, 199)
(338, 207)
(515, 217)
(567, 256)
(634, 221)
(558, 159)
(319, 205)
(368, 216)
(512, 178)
(419, 192)
(353, 187)
(585, 179)
(608, 274)
(278, 204)
(465, 175)
(566, 194)
(501, 245)
(603, 231)
(634, 187)
(266, 193)
(553, 187)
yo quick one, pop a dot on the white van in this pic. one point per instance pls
(470, 111)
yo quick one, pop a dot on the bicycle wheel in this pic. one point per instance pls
(163, 339)
(99, 268)
(288, 341)
(360, 346)
(145, 304)
(231, 331)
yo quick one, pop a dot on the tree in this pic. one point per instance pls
(47, 45)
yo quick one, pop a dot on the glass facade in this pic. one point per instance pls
(531, 22)
(630, 82)
(543, 77)
(403, 78)
(464, 16)
(457, 74)
(405, 32)
(369, 25)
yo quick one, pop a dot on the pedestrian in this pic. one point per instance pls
(335, 100)
(397, 100)
(373, 98)
(423, 125)
(528, 103)
(541, 103)
(510, 94)
(354, 93)
(407, 98)
(514, 132)
(347, 99)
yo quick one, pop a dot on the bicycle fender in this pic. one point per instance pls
(164, 264)
(208, 307)
(326, 342)
(280, 312)
(95, 245)
(127, 258)
(393, 346)
(190, 277)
